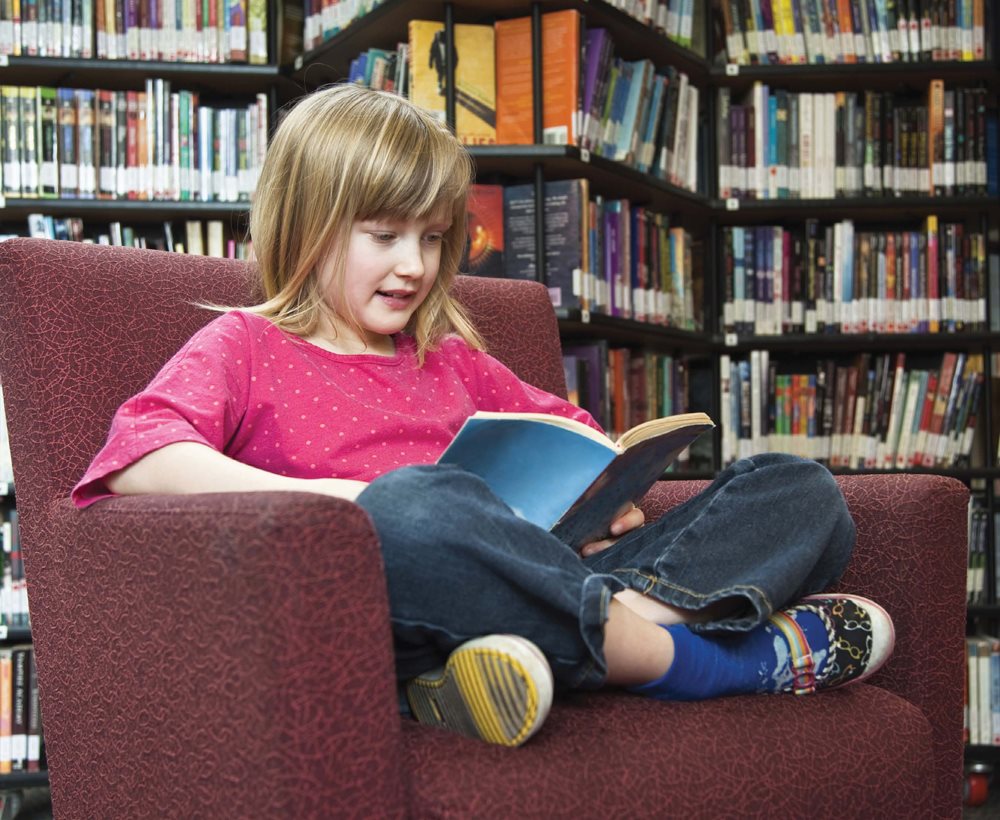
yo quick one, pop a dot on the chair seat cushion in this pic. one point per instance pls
(857, 752)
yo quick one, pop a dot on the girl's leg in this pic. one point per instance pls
(459, 565)
(769, 530)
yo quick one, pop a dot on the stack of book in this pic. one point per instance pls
(622, 388)
(835, 279)
(155, 144)
(199, 31)
(625, 110)
(20, 715)
(607, 256)
(874, 412)
(853, 31)
(776, 144)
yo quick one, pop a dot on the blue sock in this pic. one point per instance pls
(739, 663)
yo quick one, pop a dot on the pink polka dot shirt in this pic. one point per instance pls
(269, 399)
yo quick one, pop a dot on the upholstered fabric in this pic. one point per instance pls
(229, 655)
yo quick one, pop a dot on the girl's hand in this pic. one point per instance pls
(630, 519)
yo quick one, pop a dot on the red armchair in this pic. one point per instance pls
(229, 655)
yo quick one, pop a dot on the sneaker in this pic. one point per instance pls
(497, 688)
(861, 638)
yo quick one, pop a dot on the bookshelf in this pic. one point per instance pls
(702, 211)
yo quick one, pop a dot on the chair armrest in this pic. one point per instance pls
(911, 557)
(225, 651)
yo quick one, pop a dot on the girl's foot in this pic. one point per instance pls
(823, 642)
(497, 688)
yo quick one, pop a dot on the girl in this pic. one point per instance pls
(352, 376)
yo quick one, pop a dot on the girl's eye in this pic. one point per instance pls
(382, 237)
(434, 238)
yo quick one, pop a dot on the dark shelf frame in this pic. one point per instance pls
(15, 634)
(868, 209)
(387, 25)
(896, 77)
(139, 211)
(24, 780)
(220, 78)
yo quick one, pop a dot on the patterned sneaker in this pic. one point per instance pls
(861, 638)
(497, 688)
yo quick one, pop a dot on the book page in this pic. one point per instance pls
(556, 421)
(657, 427)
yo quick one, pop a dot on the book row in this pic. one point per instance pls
(608, 256)
(982, 691)
(155, 144)
(13, 586)
(200, 31)
(21, 744)
(624, 110)
(622, 388)
(776, 144)
(193, 236)
(877, 411)
(853, 31)
(324, 19)
(836, 279)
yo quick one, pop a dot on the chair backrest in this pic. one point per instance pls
(83, 327)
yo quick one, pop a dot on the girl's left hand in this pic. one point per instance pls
(630, 519)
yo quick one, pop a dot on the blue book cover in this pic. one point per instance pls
(642, 73)
(623, 87)
(750, 276)
(739, 277)
(565, 476)
(647, 144)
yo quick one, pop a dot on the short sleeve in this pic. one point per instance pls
(200, 395)
(499, 390)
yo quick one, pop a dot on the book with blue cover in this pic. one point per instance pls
(565, 476)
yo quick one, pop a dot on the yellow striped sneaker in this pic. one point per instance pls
(497, 688)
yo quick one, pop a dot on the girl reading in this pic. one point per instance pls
(351, 377)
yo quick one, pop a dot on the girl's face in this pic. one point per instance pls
(391, 266)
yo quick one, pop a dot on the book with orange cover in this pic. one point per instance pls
(475, 79)
(935, 135)
(561, 31)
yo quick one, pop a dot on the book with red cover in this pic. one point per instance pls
(485, 252)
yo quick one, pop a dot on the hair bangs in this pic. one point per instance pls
(415, 173)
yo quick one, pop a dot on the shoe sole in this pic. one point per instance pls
(883, 640)
(497, 688)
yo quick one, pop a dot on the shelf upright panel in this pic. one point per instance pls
(449, 67)
(538, 135)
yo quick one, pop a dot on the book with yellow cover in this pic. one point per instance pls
(475, 77)
(562, 474)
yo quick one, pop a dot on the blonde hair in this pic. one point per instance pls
(347, 153)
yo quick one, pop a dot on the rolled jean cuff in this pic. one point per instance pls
(595, 601)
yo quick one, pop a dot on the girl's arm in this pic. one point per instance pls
(189, 467)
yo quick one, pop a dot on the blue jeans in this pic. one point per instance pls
(459, 564)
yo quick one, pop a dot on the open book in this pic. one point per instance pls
(566, 476)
